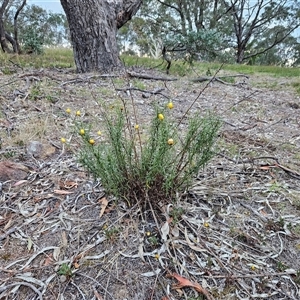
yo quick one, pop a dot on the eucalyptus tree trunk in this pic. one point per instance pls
(93, 27)
(3, 42)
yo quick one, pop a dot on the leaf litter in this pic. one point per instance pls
(237, 238)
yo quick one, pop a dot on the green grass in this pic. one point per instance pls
(181, 68)
(296, 86)
(63, 58)
(51, 58)
(269, 70)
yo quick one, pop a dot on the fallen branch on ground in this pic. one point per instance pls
(218, 78)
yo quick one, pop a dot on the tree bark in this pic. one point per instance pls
(93, 27)
(17, 45)
(3, 42)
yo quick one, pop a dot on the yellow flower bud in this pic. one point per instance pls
(78, 113)
(170, 141)
(99, 132)
(206, 224)
(161, 116)
(136, 126)
(81, 131)
(170, 105)
(92, 142)
(148, 233)
(68, 110)
(63, 140)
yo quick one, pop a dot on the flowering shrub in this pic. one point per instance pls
(151, 169)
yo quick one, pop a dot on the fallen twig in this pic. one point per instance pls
(3, 288)
(148, 76)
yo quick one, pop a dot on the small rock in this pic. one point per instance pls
(39, 150)
(12, 171)
(62, 278)
(35, 148)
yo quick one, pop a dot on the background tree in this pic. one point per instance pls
(4, 35)
(252, 19)
(40, 27)
(31, 26)
(181, 28)
(93, 28)
(234, 30)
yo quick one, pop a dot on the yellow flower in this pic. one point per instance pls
(206, 224)
(161, 116)
(170, 141)
(92, 142)
(136, 126)
(99, 132)
(148, 233)
(170, 105)
(253, 268)
(81, 131)
(156, 256)
(78, 113)
(63, 140)
(68, 110)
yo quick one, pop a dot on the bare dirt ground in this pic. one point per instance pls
(235, 234)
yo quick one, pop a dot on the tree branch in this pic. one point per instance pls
(128, 9)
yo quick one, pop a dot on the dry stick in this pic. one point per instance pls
(3, 288)
(290, 172)
(8, 83)
(79, 290)
(157, 278)
(151, 296)
(147, 76)
(245, 98)
(248, 160)
(107, 283)
(152, 211)
(94, 280)
(208, 249)
(135, 119)
(189, 108)
(126, 213)
(128, 122)
(200, 93)
(154, 92)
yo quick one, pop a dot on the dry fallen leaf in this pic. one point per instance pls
(48, 260)
(103, 205)
(97, 295)
(62, 192)
(76, 265)
(8, 224)
(267, 167)
(183, 282)
(68, 184)
(20, 182)
(165, 231)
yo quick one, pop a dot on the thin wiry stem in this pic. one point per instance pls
(200, 93)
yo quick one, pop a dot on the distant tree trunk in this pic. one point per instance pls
(93, 27)
(4, 35)
(3, 42)
(18, 49)
(240, 53)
